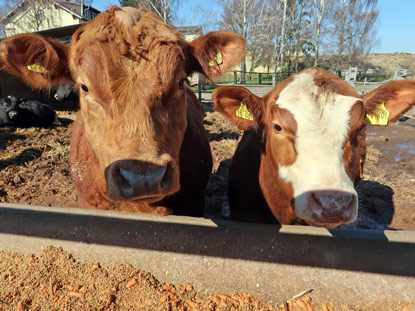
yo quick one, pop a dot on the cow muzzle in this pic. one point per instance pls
(330, 209)
(138, 180)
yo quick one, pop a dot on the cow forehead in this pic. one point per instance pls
(133, 32)
(123, 48)
(128, 16)
(317, 109)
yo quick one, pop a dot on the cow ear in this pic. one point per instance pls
(240, 106)
(41, 62)
(215, 52)
(390, 100)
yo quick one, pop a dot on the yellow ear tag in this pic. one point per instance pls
(244, 113)
(36, 67)
(218, 60)
(380, 117)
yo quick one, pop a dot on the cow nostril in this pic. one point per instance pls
(316, 200)
(315, 197)
(315, 205)
(136, 179)
(165, 181)
(333, 200)
(346, 199)
(142, 179)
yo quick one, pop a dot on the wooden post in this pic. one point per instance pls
(235, 77)
(364, 86)
(199, 90)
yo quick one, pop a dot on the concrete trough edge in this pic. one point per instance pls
(271, 262)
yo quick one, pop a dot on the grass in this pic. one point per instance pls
(376, 77)
(252, 78)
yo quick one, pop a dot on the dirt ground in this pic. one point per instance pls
(34, 169)
(388, 189)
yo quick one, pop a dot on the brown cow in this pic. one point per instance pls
(304, 147)
(138, 143)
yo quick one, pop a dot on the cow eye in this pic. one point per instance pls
(181, 83)
(277, 127)
(84, 88)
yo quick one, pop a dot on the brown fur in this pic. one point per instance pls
(129, 67)
(232, 101)
(256, 192)
(285, 138)
(27, 49)
(399, 97)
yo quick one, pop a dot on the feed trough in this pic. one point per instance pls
(273, 263)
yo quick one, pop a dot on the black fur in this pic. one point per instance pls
(25, 113)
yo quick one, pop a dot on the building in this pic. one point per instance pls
(57, 19)
(43, 15)
(190, 33)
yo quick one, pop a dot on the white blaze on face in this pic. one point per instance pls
(322, 125)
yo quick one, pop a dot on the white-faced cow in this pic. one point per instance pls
(304, 147)
(138, 143)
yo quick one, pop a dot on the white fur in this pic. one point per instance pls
(322, 125)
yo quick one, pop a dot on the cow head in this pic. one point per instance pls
(131, 71)
(314, 138)
(63, 91)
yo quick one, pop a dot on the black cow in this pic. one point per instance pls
(25, 113)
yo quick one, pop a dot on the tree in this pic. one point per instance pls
(256, 37)
(247, 18)
(280, 62)
(36, 12)
(352, 32)
(162, 8)
(7, 6)
(35, 15)
(286, 33)
(318, 14)
(270, 51)
(298, 32)
(282, 32)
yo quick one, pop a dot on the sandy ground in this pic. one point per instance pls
(57, 281)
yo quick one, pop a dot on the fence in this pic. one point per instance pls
(258, 80)
(252, 78)
(262, 82)
(364, 83)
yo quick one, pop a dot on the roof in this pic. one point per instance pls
(62, 33)
(65, 33)
(73, 8)
(190, 30)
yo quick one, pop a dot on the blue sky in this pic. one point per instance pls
(396, 23)
(396, 26)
